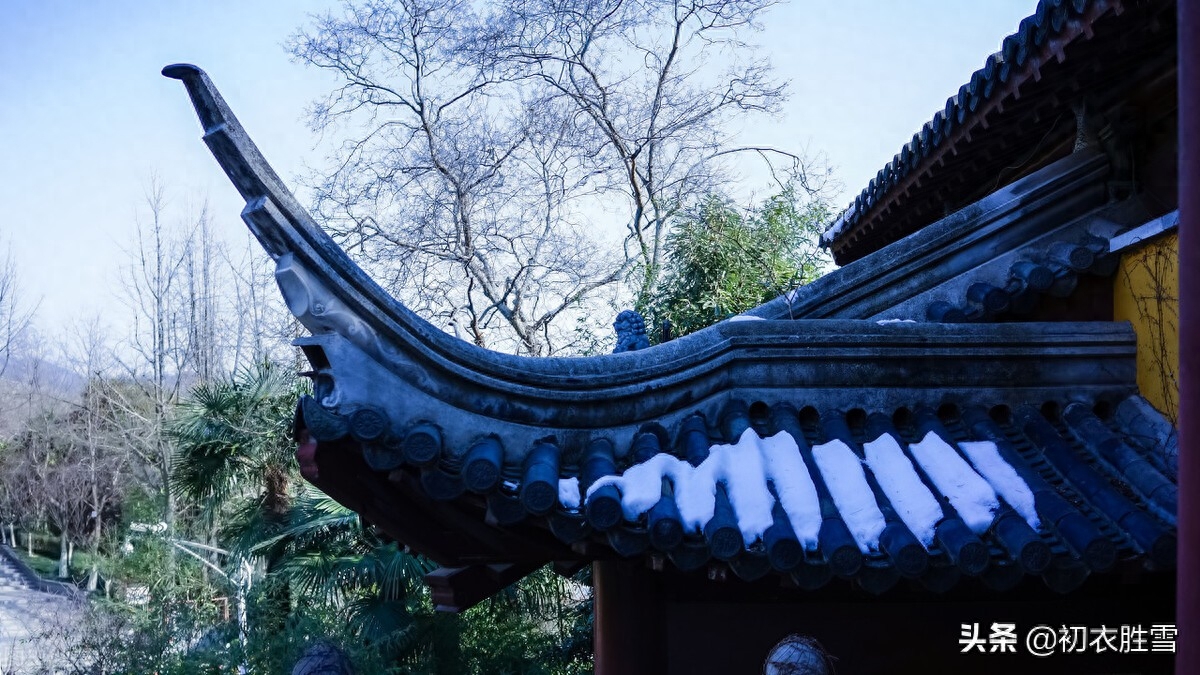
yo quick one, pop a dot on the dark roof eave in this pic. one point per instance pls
(1041, 38)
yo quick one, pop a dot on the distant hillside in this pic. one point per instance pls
(24, 371)
(49, 375)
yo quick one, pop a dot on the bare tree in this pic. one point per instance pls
(15, 315)
(260, 329)
(98, 433)
(202, 298)
(487, 150)
(44, 478)
(171, 286)
(659, 83)
(448, 188)
(158, 348)
(64, 466)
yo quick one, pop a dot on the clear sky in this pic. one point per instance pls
(86, 118)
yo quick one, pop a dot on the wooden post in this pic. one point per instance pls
(630, 623)
(1187, 603)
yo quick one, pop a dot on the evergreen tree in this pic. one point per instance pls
(722, 260)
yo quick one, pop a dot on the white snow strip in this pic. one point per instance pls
(1003, 478)
(745, 317)
(641, 484)
(744, 468)
(568, 492)
(746, 484)
(696, 492)
(887, 322)
(794, 485)
(913, 502)
(844, 477)
(971, 495)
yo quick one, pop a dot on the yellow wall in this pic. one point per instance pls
(1146, 294)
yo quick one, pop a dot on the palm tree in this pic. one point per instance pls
(234, 462)
(233, 453)
(328, 556)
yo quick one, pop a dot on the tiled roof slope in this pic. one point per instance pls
(1039, 236)
(1014, 114)
(873, 497)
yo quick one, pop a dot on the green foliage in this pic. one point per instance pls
(541, 624)
(234, 462)
(722, 260)
(180, 634)
(318, 573)
(46, 567)
(328, 557)
(233, 438)
(500, 641)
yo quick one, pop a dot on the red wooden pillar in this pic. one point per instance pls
(1187, 605)
(630, 620)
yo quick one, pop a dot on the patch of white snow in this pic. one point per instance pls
(746, 484)
(641, 484)
(1003, 478)
(794, 485)
(843, 473)
(913, 502)
(744, 468)
(568, 492)
(838, 225)
(970, 494)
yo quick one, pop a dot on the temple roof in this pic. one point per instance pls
(1017, 113)
(872, 441)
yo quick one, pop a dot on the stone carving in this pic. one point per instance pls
(319, 310)
(631, 332)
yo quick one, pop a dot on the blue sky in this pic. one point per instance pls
(86, 119)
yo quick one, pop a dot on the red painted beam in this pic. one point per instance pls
(1187, 604)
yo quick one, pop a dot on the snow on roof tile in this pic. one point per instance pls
(768, 475)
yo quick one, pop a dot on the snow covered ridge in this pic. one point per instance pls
(756, 472)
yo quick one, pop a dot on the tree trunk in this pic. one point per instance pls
(64, 557)
(29, 542)
(94, 574)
